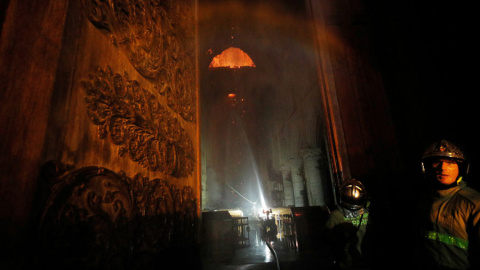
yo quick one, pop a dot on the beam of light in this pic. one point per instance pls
(240, 129)
(260, 190)
(240, 194)
(257, 177)
(255, 171)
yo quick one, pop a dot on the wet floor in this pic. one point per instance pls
(261, 257)
(258, 255)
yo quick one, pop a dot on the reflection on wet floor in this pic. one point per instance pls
(260, 257)
(255, 253)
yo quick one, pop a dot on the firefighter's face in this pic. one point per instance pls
(446, 170)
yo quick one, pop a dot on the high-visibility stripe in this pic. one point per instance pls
(356, 220)
(447, 239)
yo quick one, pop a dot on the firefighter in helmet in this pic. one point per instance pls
(346, 226)
(449, 211)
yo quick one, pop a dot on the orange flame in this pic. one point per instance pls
(232, 58)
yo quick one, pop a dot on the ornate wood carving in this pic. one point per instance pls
(131, 117)
(158, 37)
(94, 218)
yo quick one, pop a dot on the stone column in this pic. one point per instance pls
(287, 186)
(311, 166)
(297, 182)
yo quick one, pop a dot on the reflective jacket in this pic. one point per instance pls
(451, 230)
(345, 231)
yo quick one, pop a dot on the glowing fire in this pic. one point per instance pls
(232, 58)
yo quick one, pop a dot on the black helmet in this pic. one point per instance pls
(353, 195)
(446, 149)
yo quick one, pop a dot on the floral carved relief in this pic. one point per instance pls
(94, 218)
(133, 118)
(158, 38)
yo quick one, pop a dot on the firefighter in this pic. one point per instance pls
(448, 213)
(346, 226)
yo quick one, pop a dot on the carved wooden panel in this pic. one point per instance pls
(133, 118)
(95, 218)
(158, 37)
